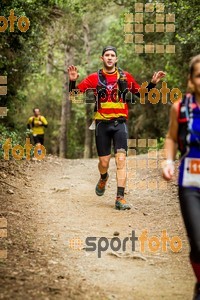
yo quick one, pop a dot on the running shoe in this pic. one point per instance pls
(121, 204)
(101, 186)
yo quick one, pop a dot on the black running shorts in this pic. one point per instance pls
(108, 132)
(38, 139)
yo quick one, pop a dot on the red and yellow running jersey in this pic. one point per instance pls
(110, 107)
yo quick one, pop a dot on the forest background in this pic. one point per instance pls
(69, 32)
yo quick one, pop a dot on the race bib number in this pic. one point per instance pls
(191, 175)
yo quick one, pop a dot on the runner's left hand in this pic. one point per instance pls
(157, 76)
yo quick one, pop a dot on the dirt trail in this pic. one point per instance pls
(53, 203)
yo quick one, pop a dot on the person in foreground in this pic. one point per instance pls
(184, 134)
(111, 112)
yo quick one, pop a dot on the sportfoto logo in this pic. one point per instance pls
(3, 234)
(23, 22)
(18, 151)
(153, 243)
(154, 96)
(143, 171)
(134, 27)
(3, 92)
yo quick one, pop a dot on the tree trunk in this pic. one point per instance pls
(66, 107)
(49, 65)
(88, 110)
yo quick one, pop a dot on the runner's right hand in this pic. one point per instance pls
(73, 73)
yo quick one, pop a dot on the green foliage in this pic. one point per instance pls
(35, 63)
(161, 141)
(76, 132)
(16, 138)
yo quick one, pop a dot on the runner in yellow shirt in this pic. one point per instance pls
(37, 123)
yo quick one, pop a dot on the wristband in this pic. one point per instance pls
(72, 85)
(167, 162)
(151, 85)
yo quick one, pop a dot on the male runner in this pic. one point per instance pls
(111, 113)
(37, 124)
